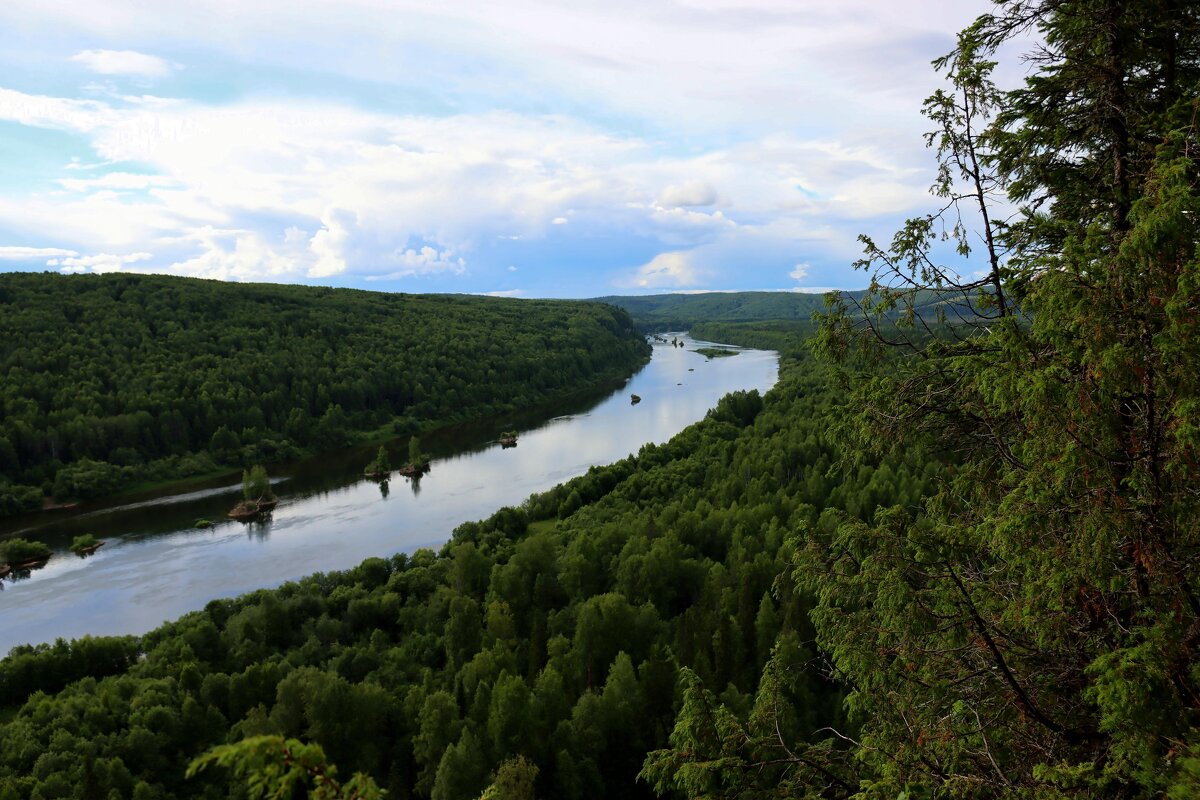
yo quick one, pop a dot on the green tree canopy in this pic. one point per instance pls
(255, 483)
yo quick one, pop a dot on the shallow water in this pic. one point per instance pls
(157, 565)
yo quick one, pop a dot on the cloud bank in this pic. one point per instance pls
(706, 144)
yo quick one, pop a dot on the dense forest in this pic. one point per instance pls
(947, 556)
(554, 631)
(107, 380)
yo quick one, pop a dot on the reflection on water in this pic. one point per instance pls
(158, 565)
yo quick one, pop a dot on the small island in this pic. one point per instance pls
(85, 545)
(508, 439)
(418, 462)
(381, 468)
(715, 352)
(18, 554)
(257, 498)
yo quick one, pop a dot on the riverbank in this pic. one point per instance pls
(159, 565)
(432, 430)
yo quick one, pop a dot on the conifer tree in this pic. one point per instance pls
(1035, 626)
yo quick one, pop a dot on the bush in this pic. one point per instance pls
(87, 478)
(83, 542)
(16, 499)
(15, 551)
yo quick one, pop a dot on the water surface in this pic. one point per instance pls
(157, 565)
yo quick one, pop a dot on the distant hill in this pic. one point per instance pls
(670, 311)
(664, 312)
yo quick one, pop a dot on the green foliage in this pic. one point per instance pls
(272, 768)
(83, 542)
(514, 781)
(255, 483)
(86, 479)
(225, 444)
(738, 408)
(1027, 631)
(716, 752)
(715, 352)
(784, 336)
(18, 499)
(380, 464)
(15, 551)
(415, 457)
(111, 380)
(50, 667)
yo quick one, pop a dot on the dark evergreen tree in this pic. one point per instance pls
(1033, 630)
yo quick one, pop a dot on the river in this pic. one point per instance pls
(157, 565)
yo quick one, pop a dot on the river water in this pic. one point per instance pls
(157, 565)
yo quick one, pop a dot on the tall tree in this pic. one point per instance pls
(1037, 625)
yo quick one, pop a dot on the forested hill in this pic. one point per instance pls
(107, 380)
(680, 311)
(790, 311)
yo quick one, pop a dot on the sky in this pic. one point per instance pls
(511, 147)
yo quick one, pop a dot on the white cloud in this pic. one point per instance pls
(328, 245)
(82, 116)
(430, 259)
(240, 256)
(665, 270)
(424, 261)
(505, 293)
(792, 122)
(116, 181)
(101, 262)
(295, 190)
(688, 223)
(699, 63)
(691, 193)
(511, 268)
(124, 62)
(799, 273)
(33, 253)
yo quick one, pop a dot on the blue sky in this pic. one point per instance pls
(518, 147)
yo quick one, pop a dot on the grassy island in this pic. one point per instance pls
(716, 352)
(85, 544)
(17, 552)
